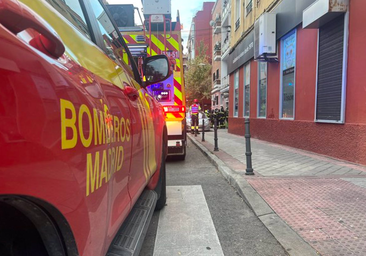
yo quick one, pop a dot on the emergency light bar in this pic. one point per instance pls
(174, 109)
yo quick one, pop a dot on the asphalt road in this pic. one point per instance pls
(238, 230)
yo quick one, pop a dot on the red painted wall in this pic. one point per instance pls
(203, 30)
(305, 80)
(356, 87)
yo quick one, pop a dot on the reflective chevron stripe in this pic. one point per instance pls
(155, 46)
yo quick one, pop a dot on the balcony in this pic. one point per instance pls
(217, 51)
(216, 87)
(224, 88)
(217, 25)
(217, 83)
(217, 55)
(217, 28)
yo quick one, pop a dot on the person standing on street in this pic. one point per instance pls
(194, 109)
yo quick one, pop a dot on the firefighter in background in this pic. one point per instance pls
(216, 116)
(212, 117)
(194, 109)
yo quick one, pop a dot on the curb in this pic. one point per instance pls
(284, 234)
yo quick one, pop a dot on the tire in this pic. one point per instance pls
(18, 236)
(161, 187)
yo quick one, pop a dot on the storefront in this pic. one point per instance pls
(313, 97)
(239, 70)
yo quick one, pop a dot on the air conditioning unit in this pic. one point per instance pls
(265, 37)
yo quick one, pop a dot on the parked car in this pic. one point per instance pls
(83, 144)
(201, 118)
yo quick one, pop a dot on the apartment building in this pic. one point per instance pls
(201, 32)
(216, 101)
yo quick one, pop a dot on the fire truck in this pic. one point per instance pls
(82, 142)
(158, 35)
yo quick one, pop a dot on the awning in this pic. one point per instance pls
(323, 11)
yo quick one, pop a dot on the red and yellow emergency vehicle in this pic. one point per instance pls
(159, 35)
(82, 142)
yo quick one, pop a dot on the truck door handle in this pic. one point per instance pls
(16, 17)
(131, 92)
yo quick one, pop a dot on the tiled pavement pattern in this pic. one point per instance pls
(271, 159)
(330, 214)
(322, 199)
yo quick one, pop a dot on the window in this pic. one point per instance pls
(248, 6)
(236, 93)
(72, 11)
(112, 42)
(262, 89)
(288, 59)
(237, 13)
(330, 101)
(247, 90)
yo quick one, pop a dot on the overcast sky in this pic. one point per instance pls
(187, 9)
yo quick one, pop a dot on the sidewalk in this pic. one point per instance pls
(322, 200)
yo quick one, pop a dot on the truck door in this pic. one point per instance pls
(120, 118)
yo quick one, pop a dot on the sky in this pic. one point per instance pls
(187, 9)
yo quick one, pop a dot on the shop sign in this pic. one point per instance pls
(243, 52)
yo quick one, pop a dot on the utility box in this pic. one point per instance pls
(265, 37)
(156, 7)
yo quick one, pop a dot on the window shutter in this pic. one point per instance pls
(330, 70)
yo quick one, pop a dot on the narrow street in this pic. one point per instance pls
(222, 224)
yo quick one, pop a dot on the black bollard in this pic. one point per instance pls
(215, 135)
(203, 129)
(248, 153)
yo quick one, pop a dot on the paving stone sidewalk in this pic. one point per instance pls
(322, 199)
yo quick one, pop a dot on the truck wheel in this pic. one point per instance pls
(161, 187)
(18, 234)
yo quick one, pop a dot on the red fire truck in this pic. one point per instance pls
(82, 142)
(158, 34)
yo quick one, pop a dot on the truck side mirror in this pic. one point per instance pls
(156, 69)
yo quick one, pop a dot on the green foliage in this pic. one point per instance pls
(198, 77)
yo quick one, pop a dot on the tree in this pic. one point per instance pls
(198, 77)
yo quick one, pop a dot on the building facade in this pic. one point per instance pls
(201, 32)
(311, 96)
(216, 101)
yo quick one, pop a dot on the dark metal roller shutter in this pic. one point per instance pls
(330, 67)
